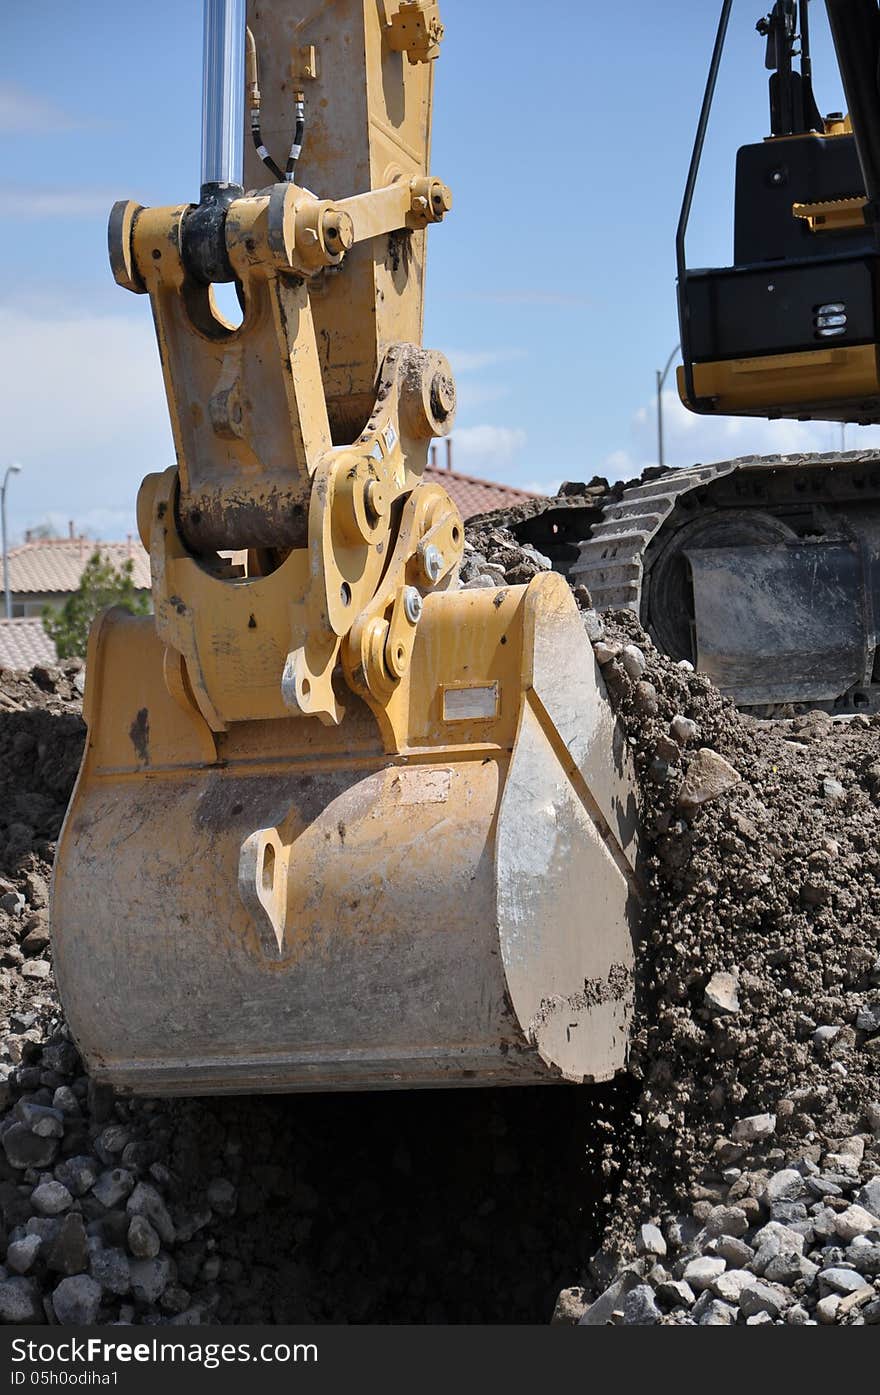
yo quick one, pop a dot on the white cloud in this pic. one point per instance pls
(487, 446)
(54, 202)
(475, 360)
(690, 439)
(618, 465)
(26, 112)
(84, 412)
(546, 486)
(471, 394)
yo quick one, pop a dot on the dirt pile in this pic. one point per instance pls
(733, 1173)
(759, 989)
(41, 741)
(460, 1206)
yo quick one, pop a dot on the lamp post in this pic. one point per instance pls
(661, 379)
(10, 470)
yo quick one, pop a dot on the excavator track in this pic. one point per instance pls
(760, 570)
(611, 562)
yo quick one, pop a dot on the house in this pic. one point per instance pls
(472, 494)
(45, 571)
(24, 643)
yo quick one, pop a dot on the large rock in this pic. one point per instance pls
(855, 1220)
(717, 1314)
(40, 1119)
(764, 1298)
(866, 1258)
(78, 1174)
(150, 1278)
(786, 1185)
(113, 1186)
(721, 994)
(109, 1267)
(223, 1197)
(51, 1198)
(143, 1241)
(841, 1281)
(22, 1253)
(675, 1293)
(731, 1283)
(650, 1241)
(570, 1308)
(146, 1201)
(868, 1016)
(20, 1302)
(25, 1149)
(869, 1196)
(754, 1128)
(600, 1312)
(639, 1307)
(726, 1220)
(702, 1272)
(68, 1252)
(774, 1240)
(709, 775)
(76, 1301)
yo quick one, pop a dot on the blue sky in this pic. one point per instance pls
(565, 133)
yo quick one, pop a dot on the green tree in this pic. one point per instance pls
(101, 585)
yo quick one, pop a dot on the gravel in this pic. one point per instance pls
(450, 1206)
(756, 1052)
(730, 1177)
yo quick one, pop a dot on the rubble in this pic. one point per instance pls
(731, 1178)
(408, 1207)
(756, 1047)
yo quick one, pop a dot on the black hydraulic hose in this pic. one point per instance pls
(253, 84)
(297, 142)
(260, 148)
(855, 28)
(687, 201)
(253, 89)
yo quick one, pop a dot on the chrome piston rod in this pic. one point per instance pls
(223, 92)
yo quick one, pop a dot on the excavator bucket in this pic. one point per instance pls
(286, 907)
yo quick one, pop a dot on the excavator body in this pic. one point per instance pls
(340, 823)
(792, 327)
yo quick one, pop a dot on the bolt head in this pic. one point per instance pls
(441, 199)
(375, 500)
(433, 562)
(442, 396)
(338, 232)
(412, 605)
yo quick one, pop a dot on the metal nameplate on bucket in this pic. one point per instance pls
(470, 704)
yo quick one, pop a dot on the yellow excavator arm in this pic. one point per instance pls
(340, 823)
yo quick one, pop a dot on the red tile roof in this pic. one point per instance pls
(473, 495)
(55, 565)
(24, 643)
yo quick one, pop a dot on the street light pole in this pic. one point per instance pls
(10, 470)
(661, 379)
